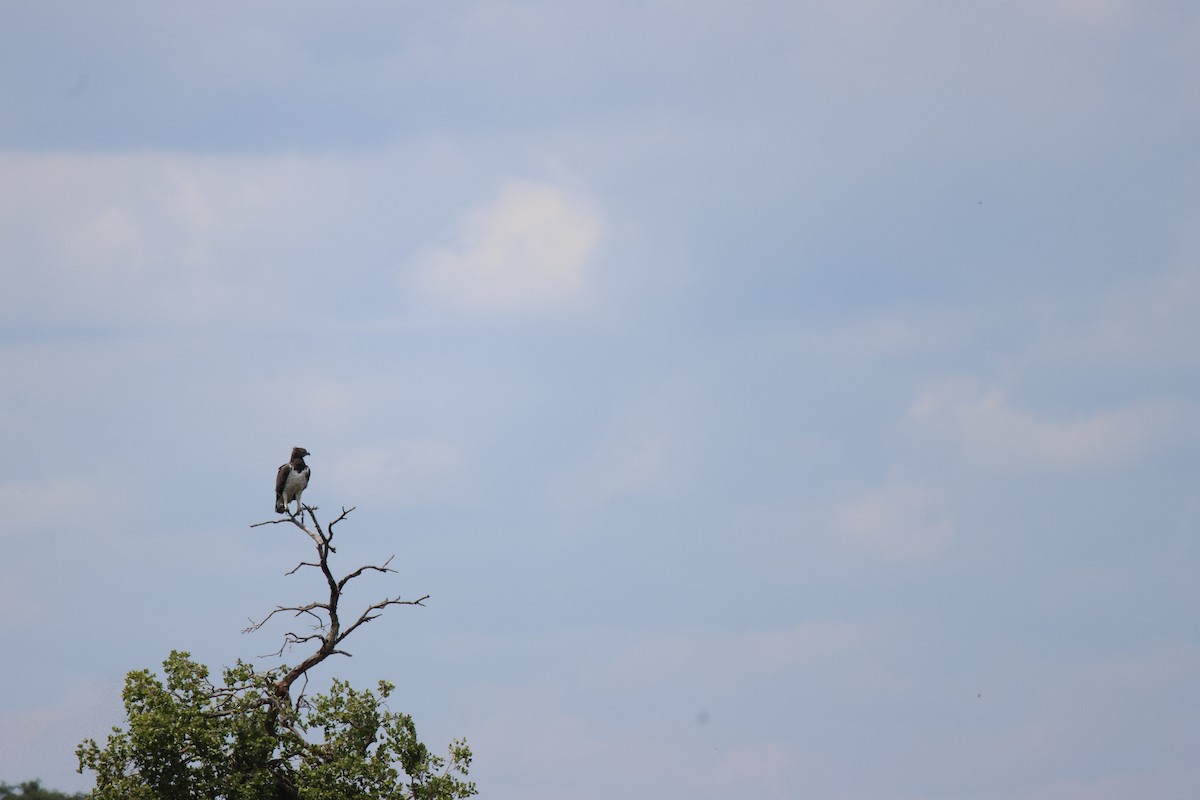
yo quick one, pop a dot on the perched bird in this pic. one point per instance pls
(291, 481)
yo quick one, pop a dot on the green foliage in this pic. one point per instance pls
(190, 739)
(32, 790)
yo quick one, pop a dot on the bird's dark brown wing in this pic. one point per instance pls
(281, 478)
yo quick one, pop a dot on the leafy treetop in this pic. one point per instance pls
(247, 738)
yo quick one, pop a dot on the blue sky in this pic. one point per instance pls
(781, 400)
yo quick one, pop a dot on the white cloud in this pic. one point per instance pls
(526, 251)
(137, 238)
(992, 433)
(902, 521)
(171, 239)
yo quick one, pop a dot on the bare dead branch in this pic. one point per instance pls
(339, 518)
(318, 537)
(367, 616)
(295, 638)
(383, 568)
(328, 633)
(297, 610)
(270, 522)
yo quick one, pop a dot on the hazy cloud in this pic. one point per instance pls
(644, 448)
(397, 474)
(526, 251)
(902, 521)
(991, 432)
(1146, 321)
(121, 239)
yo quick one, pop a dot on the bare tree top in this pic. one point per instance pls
(327, 630)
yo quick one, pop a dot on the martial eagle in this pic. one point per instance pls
(291, 481)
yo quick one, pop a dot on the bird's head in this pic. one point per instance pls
(299, 452)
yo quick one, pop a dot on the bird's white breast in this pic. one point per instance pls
(295, 483)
